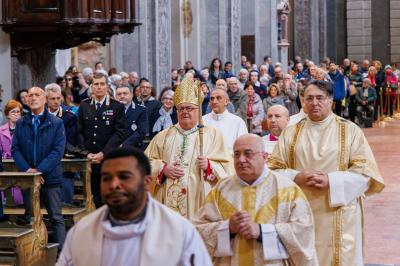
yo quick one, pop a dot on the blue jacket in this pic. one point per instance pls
(50, 146)
(339, 90)
(136, 123)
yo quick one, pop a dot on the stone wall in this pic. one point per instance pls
(395, 30)
(359, 29)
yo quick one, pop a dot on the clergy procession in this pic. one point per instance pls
(182, 145)
(205, 189)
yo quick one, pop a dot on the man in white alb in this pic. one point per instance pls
(229, 124)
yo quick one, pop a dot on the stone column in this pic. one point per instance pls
(162, 50)
(6, 91)
(266, 32)
(359, 30)
(306, 29)
(235, 34)
(395, 31)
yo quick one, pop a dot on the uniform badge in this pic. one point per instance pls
(107, 123)
(134, 126)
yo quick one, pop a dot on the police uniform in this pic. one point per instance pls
(136, 125)
(101, 128)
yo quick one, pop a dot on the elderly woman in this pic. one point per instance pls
(166, 115)
(273, 97)
(289, 93)
(251, 109)
(13, 112)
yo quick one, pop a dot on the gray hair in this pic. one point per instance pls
(52, 87)
(243, 70)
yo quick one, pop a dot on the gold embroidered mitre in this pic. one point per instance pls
(187, 92)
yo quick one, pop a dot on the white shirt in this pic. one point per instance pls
(230, 125)
(294, 119)
(269, 144)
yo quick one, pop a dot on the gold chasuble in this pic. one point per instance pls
(174, 145)
(272, 201)
(339, 148)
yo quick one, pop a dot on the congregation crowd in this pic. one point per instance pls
(266, 198)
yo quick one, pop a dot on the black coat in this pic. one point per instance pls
(101, 130)
(136, 123)
(152, 106)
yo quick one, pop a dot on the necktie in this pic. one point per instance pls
(98, 105)
(36, 122)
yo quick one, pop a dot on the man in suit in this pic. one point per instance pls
(54, 100)
(101, 127)
(136, 120)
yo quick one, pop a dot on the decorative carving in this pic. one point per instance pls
(164, 43)
(89, 53)
(236, 34)
(187, 18)
(302, 28)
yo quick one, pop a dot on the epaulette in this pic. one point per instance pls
(86, 100)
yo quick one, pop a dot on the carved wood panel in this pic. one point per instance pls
(38, 5)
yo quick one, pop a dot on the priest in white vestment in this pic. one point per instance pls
(132, 228)
(182, 176)
(257, 217)
(330, 159)
(230, 125)
(277, 121)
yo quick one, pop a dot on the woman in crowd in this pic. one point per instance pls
(166, 115)
(264, 77)
(289, 94)
(301, 84)
(206, 92)
(12, 111)
(273, 97)
(390, 89)
(355, 76)
(215, 71)
(251, 109)
(22, 98)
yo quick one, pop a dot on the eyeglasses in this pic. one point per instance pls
(69, 79)
(14, 112)
(248, 154)
(188, 109)
(167, 99)
(319, 98)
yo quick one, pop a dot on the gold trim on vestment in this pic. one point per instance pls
(275, 163)
(224, 206)
(337, 247)
(246, 246)
(338, 237)
(292, 146)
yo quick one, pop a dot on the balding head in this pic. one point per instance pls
(221, 84)
(249, 157)
(36, 100)
(277, 119)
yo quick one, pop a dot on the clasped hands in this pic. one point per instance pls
(240, 223)
(315, 179)
(95, 158)
(174, 171)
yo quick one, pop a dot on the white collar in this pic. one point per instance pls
(219, 117)
(105, 98)
(258, 181)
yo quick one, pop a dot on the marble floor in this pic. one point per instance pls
(382, 219)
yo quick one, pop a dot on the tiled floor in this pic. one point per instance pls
(382, 219)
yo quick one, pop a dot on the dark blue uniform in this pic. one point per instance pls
(136, 123)
(70, 121)
(100, 131)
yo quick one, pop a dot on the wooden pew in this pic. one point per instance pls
(25, 245)
(68, 165)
